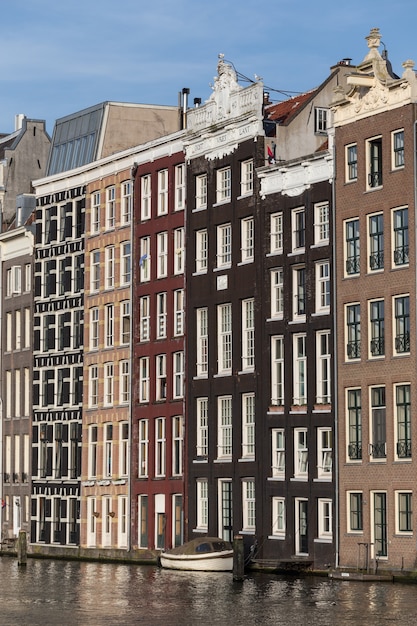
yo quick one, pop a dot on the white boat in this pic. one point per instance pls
(204, 554)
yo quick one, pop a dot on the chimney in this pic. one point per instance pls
(18, 121)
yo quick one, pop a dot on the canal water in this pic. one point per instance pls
(62, 593)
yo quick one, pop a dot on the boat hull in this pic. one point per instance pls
(213, 562)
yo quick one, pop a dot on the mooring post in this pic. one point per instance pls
(22, 548)
(238, 558)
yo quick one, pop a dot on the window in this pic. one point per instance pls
(377, 328)
(178, 312)
(351, 162)
(162, 192)
(298, 229)
(353, 331)
(143, 449)
(224, 338)
(323, 367)
(299, 292)
(124, 382)
(110, 207)
(179, 251)
(95, 212)
(355, 511)
(400, 243)
(202, 504)
(324, 507)
(144, 318)
(248, 505)
(321, 222)
(380, 524)
(404, 512)
(278, 517)
(278, 453)
(125, 263)
(224, 245)
(247, 239)
(277, 293)
(93, 386)
(179, 202)
(143, 521)
(109, 325)
(224, 432)
(144, 379)
(94, 328)
(125, 322)
(202, 427)
(397, 149)
(402, 324)
(161, 312)
(323, 287)
(109, 267)
(202, 342)
(320, 120)
(161, 377)
(403, 419)
(277, 370)
(178, 374)
(14, 280)
(18, 330)
(201, 251)
(246, 177)
(324, 453)
(374, 162)
(300, 453)
(177, 445)
(248, 425)
(95, 270)
(108, 450)
(108, 384)
(354, 423)
(276, 233)
(352, 247)
(248, 334)
(28, 277)
(127, 201)
(145, 259)
(201, 191)
(145, 191)
(376, 242)
(162, 254)
(378, 445)
(160, 446)
(9, 322)
(92, 451)
(300, 369)
(224, 185)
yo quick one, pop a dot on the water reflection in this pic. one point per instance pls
(94, 594)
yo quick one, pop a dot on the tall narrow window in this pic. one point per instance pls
(323, 287)
(277, 293)
(298, 229)
(94, 328)
(109, 325)
(144, 318)
(248, 425)
(202, 427)
(351, 162)
(403, 418)
(124, 382)
(93, 386)
(160, 446)
(404, 512)
(95, 212)
(109, 262)
(162, 254)
(92, 450)
(247, 239)
(374, 149)
(125, 322)
(380, 530)
(276, 233)
(278, 453)
(353, 331)
(179, 251)
(177, 445)
(145, 259)
(248, 334)
(355, 508)
(201, 191)
(354, 423)
(376, 242)
(377, 328)
(323, 367)
(224, 338)
(108, 384)
(110, 207)
(108, 450)
(397, 149)
(246, 177)
(201, 251)
(95, 270)
(300, 453)
(202, 342)
(145, 205)
(300, 369)
(224, 432)
(299, 292)
(178, 374)
(352, 242)
(224, 245)
(178, 312)
(324, 453)
(402, 324)
(144, 379)
(161, 308)
(162, 192)
(179, 187)
(248, 505)
(321, 222)
(127, 200)
(278, 517)
(202, 504)
(324, 506)
(378, 445)
(277, 370)
(125, 263)
(400, 243)
(143, 442)
(224, 185)
(161, 377)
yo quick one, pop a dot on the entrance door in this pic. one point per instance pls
(301, 536)
(225, 510)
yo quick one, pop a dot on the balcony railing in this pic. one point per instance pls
(378, 450)
(353, 349)
(402, 343)
(355, 451)
(353, 265)
(404, 449)
(376, 260)
(378, 346)
(401, 255)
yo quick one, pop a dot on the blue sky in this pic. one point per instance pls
(60, 57)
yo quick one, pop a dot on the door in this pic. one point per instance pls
(225, 510)
(301, 535)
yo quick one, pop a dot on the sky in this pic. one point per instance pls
(60, 57)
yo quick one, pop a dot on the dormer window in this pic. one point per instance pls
(320, 120)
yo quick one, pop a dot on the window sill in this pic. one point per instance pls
(276, 479)
(323, 540)
(299, 479)
(277, 537)
(249, 459)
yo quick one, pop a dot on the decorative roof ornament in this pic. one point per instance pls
(225, 84)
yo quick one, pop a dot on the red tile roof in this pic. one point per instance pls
(284, 111)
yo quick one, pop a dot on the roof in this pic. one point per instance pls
(283, 112)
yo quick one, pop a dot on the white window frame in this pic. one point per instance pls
(93, 385)
(397, 151)
(125, 263)
(324, 453)
(321, 120)
(223, 185)
(400, 237)
(300, 453)
(248, 425)
(125, 322)
(110, 207)
(398, 512)
(109, 325)
(178, 312)
(109, 266)
(276, 242)
(92, 463)
(95, 270)
(247, 235)
(95, 212)
(161, 377)
(325, 519)
(299, 293)
(179, 174)
(356, 531)
(277, 293)
(161, 315)
(248, 335)
(321, 223)
(224, 427)
(145, 259)
(224, 245)
(278, 453)
(143, 448)
(323, 287)
(177, 375)
(162, 205)
(177, 445)
(108, 432)
(108, 394)
(201, 251)
(323, 367)
(224, 338)
(278, 517)
(201, 191)
(202, 504)
(145, 318)
(162, 254)
(246, 177)
(124, 381)
(351, 162)
(300, 369)
(160, 447)
(202, 342)
(144, 379)
(277, 370)
(145, 196)
(248, 505)
(202, 427)
(298, 234)
(94, 328)
(127, 202)
(179, 251)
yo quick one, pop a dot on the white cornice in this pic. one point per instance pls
(292, 179)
